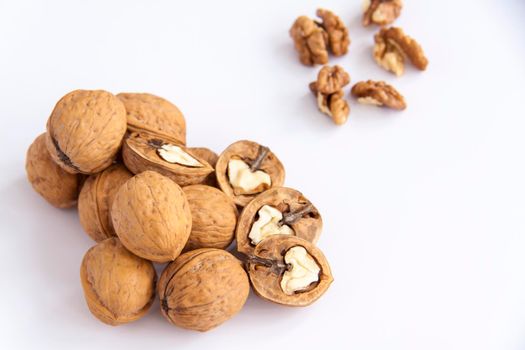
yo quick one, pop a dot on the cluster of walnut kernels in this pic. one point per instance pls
(145, 197)
(314, 40)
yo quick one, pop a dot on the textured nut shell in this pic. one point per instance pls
(309, 227)
(209, 156)
(202, 289)
(151, 216)
(96, 197)
(247, 150)
(119, 287)
(140, 156)
(55, 185)
(154, 114)
(214, 216)
(85, 130)
(266, 284)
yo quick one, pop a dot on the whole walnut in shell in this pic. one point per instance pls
(119, 287)
(214, 216)
(96, 197)
(53, 183)
(85, 130)
(155, 115)
(211, 157)
(151, 216)
(202, 289)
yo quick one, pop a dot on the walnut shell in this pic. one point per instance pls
(202, 289)
(140, 153)
(96, 197)
(214, 216)
(154, 114)
(151, 216)
(247, 151)
(53, 183)
(267, 266)
(304, 218)
(85, 130)
(209, 156)
(119, 287)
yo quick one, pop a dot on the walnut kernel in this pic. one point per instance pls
(378, 93)
(310, 41)
(338, 38)
(381, 12)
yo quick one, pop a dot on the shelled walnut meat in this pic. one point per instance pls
(203, 288)
(378, 93)
(310, 41)
(96, 197)
(381, 12)
(279, 210)
(246, 169)
(85, 130)
(338, 38)
(54, 184)
(143, 151)
(328, 89)
(119, 287)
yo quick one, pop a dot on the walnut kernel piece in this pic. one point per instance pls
(268, 224)
(246, 181)
(381, 12)
(174, 154)
(338, 38)
(310, 41)
(378, 93)
(334, 105)
(393, 46)
(303, 271)
(332, 79)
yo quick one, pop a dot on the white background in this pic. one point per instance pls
(423, 209)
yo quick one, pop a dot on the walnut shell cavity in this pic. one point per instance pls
(202, 289)
(151, 216)
(96, 197)
(85, 131)
(147, 112)
(58, 187)
(248, 151)
(140, 152)
(214, 217)
(298, 213)
(267, 266)
(119, 287)
(211, 157)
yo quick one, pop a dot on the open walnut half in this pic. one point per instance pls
(378, 93)
(279, 210)
(288, 270)
(144, 151)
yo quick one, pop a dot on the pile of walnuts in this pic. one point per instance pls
(315, 40)
(145, 197)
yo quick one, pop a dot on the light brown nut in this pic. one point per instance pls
(378, 93)
(333, 105)
(214, 216)
(278, 210)
(338, 38)
(259, 161)
(96, 197)
(211, 157)
(393, 46)
(284, 275)
(331, 79)
(85, 130)
(202, 289)
(153, 114)
(310, 41)
(381, 12)
(58, 187)
(119, 287)
(143, 151)
(151, 216)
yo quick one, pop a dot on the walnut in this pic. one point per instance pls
(144, 151)
(209, 156)
(214, 216)
(332, 79)
(153, 114)
(119, 287)
(202, 289)
(279, 210)
(329, 93)
(288, 270)
(245, 169)
(310, 41)
(378, 93)
(393, 46)
(96, 197)
(53, 183)
(381, 12)
(338, 38)
(152, 217)
(85, 130)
